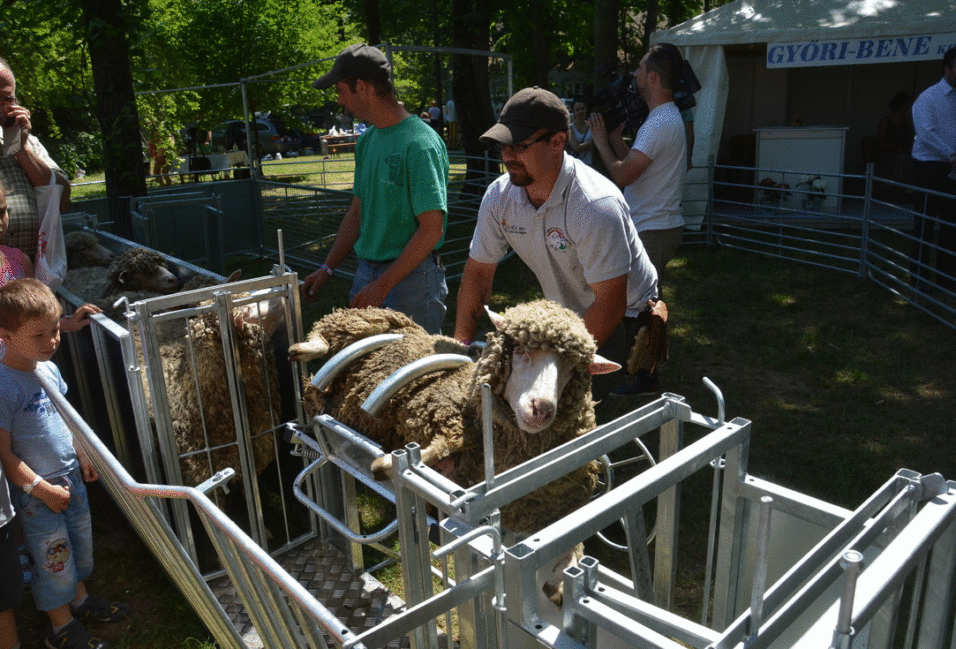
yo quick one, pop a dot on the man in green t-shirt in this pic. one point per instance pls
(399, 206)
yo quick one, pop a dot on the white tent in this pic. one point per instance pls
(769, 63)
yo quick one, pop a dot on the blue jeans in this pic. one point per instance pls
(61, 544)
(421, 296)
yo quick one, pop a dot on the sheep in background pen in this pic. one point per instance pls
(136, 274)
(84, 249)
(538, 362)
(141, 269)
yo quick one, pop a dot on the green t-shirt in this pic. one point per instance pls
(400, 172)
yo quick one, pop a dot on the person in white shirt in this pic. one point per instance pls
(570, 225)
(652, 172)
(934, 168)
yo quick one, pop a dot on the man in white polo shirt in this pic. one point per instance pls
(570, 225)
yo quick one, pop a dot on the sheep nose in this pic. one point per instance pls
(542, 410)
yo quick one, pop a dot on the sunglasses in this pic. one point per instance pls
(521, 148)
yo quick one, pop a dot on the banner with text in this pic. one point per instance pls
(861, 50)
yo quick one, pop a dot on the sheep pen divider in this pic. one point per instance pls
(123, 393)
(766, 590)
(495, 584)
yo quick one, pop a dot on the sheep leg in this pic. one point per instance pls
(431, 455)
(553, 587)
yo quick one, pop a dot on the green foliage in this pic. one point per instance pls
(201, 43)
(194, 43)
(81, 151)
(566, 35)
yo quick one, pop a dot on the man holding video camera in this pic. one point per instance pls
(24, 164)
(652, 172)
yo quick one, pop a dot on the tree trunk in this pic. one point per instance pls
(116, 108)
(650, 24)
(471, 29)
(373, 22)
(436, 42)
(605, 40)
(539, 44)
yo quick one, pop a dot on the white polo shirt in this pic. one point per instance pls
(581, 235)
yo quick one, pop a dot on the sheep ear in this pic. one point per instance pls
(234, 277)
(496, 318)
(601, 365)
(123, 275)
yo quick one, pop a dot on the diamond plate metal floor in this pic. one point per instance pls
(358, 601)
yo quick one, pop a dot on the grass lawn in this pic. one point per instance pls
(845, 384)
(333, 172)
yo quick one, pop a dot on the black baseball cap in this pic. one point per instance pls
(359, 61)
(527, 112)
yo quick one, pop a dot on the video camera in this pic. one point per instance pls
(618, 101)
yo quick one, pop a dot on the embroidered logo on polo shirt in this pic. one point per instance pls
(513, 229)
(556, 239)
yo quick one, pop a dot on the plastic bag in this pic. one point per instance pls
(51, 247)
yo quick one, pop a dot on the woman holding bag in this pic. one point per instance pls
(24, 166)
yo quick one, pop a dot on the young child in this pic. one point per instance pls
(45, 471)
(14, 264)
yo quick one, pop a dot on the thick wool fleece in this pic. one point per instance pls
(77, 243)
(137, 262)
(201, 405)
(442, 410)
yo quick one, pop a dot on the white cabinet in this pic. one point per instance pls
(788, 155)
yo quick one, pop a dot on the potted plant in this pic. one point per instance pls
(772, 194)
(814, 192)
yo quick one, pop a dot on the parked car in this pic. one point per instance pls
(270, 137)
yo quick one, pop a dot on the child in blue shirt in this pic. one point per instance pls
(45, 471)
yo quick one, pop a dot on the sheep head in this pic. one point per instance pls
(540, 349)
(141, 269)
(84, 249)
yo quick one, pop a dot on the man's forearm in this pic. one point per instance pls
(473, 294)
(37, 171)
(601, 324)
(414, 253)
(345, 237)
(612, 162)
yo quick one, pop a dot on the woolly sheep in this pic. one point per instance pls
(441, 411)
(137, 274)
(198, 394)
(84, 249)
(141, 269)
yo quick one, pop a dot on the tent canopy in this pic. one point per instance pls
(825, 33)
(769, 21)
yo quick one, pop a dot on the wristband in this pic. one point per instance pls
(326, 268)
(27, 489)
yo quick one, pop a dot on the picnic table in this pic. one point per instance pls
(334, 144)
